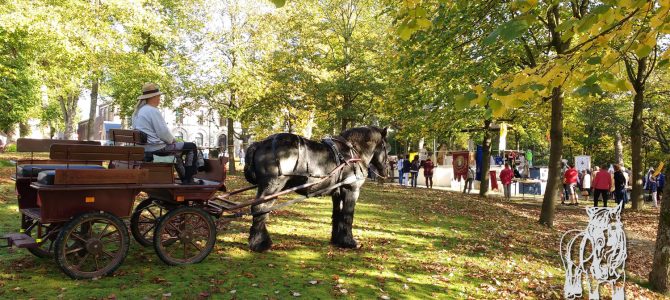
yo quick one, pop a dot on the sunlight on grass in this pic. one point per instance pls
(415, 244)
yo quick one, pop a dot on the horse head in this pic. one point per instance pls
(371, 144)
(605, 230)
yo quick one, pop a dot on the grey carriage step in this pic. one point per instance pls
(20, 240)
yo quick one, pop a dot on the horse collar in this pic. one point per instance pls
(339, 158)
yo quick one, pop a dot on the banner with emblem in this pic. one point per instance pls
(582, 162)
(460, 164)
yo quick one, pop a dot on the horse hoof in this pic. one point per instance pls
(346, 244)
(260, 245)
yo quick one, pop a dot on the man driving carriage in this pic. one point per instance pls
(159, 141)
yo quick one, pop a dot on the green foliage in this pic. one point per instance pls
(18, 86)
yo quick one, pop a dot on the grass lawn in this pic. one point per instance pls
(416, 244)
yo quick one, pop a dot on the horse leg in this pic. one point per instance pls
(345, 238)
(594, 288)
(618, 290)
(259, 238)
(337, 216)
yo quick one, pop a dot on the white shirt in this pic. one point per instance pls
(586, 182)
(150, 121)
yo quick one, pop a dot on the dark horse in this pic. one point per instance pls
(285, 160)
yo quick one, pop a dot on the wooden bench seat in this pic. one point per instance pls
(89, 176)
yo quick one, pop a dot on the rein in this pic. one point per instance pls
(353, 152)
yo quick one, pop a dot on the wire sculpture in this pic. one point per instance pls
(600, 258)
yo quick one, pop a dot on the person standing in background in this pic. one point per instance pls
(586, 184)
(653, 189)
(625, 191)
(602, 185)
(240, 154)
(566, 195)
(469, 180)
(506, 176)
(428, 167)
(619, 185)
(414, 170)
(570, 181)
(401, 168)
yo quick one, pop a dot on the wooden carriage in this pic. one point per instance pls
(72, 205)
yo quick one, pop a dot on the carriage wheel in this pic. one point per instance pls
(44, 235)
(144, 220)
(185, 235)
(91, 245)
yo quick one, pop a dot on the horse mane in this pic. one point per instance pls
(361, 135)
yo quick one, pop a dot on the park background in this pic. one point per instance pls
(568, 77)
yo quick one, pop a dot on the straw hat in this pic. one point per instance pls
(149, 90)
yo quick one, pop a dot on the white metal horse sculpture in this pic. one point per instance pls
(601, 257)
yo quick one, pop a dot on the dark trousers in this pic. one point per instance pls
(429, 181)
(186, 159)
(468, 185)
(597, 193)
(415, 178)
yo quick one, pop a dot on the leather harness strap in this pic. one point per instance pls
(339, 158)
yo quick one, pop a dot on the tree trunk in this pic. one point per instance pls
(11, 134)
(636, 129)
(91, 112)
(486, 160)
(659, 277)
(68, 107)
(24, 129)
(555, 152)
(618, 148)
(231, 145)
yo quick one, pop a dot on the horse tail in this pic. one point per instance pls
(249, 170)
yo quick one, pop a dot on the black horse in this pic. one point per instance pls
(285, 160)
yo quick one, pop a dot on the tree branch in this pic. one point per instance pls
(621, 22)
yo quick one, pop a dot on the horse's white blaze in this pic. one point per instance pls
(601, 257)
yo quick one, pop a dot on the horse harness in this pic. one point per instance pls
(330, 142)
(339, 158)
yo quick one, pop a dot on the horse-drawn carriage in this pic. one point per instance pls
(73, 204)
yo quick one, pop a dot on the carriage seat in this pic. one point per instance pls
(46, 177)
(32, 170)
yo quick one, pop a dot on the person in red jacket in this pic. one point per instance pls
(506, 176)
(602, 185)
(570, 181)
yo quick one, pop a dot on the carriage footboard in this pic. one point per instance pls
(20, 240)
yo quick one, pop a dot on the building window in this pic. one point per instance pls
(198, 139)
(201, 119)
(179, 115)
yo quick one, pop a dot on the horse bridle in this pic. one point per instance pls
(384, 162)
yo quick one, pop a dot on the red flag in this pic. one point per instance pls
(494, 180)
(460, 164)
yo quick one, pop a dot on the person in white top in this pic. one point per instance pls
(586, 184)
(159, 141)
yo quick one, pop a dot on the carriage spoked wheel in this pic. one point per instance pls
(185, 235)
(144, 220)
(44, 235)
(91, 245)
